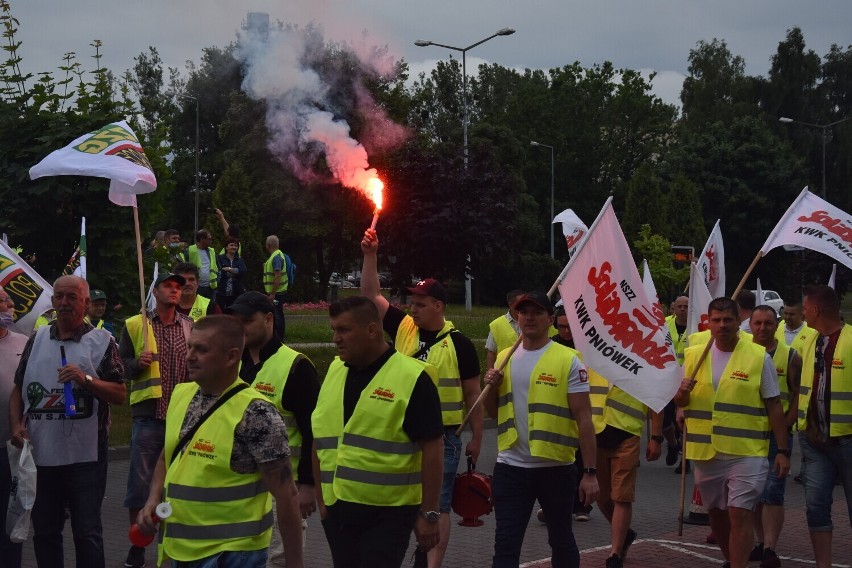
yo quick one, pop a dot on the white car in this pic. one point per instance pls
(772, 299)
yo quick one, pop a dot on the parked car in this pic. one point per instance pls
(772, 299)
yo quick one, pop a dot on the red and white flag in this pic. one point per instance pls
(614, 322)
(711, 263)
(697, 318)
(814, 223)
(573, 229)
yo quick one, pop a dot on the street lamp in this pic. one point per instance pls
(190, 97)
(824, 128)
(552, 184)
(425, 43)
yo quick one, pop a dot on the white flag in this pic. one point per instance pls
(758, 294)
(150, 300)
(112, 152)
(814, 223)
(697, 318)
(28, 290)
(833, 275)
(84, 251)
(616, 326)
(711, 263)
(650, 288)
(573, 229)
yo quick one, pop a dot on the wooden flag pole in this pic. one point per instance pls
(682, 479)
(144, 310)
(520, 338)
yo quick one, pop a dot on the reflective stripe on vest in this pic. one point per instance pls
(840, 407)
(369, 460)
(598, 391)
(553, 432)
(731, 419)
(269, 274)
(214, 508)
(442, 355)
(625, 412)
(270, 382)
(147, 384)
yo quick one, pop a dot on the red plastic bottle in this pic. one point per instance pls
(137, 537)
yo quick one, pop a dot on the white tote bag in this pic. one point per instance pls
(23, 494)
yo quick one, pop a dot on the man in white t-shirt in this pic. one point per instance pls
(543, 415)
(729, 408)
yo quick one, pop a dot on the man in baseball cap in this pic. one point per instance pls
(97, 309)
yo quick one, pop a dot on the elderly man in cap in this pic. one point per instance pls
(154, 354)
(288, 380)
(427, 336)
(97, 309)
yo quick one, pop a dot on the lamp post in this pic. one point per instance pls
(552, 185)
(425, 43)
(824, 128)
(190, 97)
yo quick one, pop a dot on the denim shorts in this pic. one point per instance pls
(773, 493)
(147, 439)
(820, 470)
(452, 454)
(228, 559)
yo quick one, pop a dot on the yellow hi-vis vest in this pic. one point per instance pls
(553, 432)
(598, 391)
(442, 356)
(269, 274)
(678, 341)
(840, 406)
(193, 256)
(148, 383)
(199, 308)
(214, 509)
(369, 460)
(781, 360)
(270, 382)
(732, 419)
(503, 332)
(798, 342)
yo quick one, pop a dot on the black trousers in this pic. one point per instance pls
(362, 536)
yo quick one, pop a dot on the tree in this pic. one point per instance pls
(645, 204)
(657, 250)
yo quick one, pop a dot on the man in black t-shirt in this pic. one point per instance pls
(427, 335)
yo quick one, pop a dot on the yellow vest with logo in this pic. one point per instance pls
(625, 412)
(270, 382)
(553, 432)
(199, 308)
(214, 509)
(798, 342)
(442, 356)
(148, 383)
(781, 360)
(369, 460)
(678, 341)
(269, 274)
(503, 333)
(731, 419)
(840, 407)
(194, 257)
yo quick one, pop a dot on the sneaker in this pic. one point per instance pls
(628, 540)
(135, 557)
(614, 562)
(798, 478)
(756, 553)
(680, 465)
(540, 515)
(671, 454)
(581, 517)
(770, 559)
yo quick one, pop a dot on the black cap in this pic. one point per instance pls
(97, 295)
(169, 276)
(540, 299)
(430, 287)
(249, 303)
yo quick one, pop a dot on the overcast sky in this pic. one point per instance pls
(638, 34)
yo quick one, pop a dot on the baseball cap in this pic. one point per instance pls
(169, 276)
(430, 287)
(540, 299)
(249, 303)
(97, 295)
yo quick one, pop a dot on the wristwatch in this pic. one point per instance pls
(430, 516)
(658, 439)
(785, 452)
(590, 470)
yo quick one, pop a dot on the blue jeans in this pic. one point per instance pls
(78, 485)
(279, 325)
(820, 470)
(147, 439)
(229, 559)
(452, 455)
(10, 552)
(773, 491)
(515, 490)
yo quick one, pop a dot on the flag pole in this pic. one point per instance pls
(683, 463)
(143, 310)
(518, 341)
